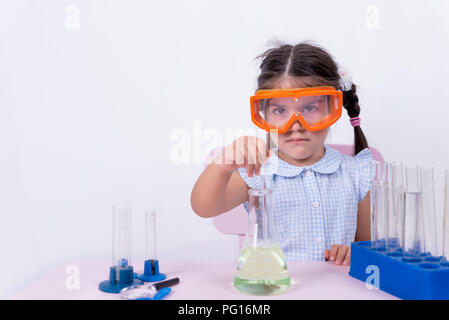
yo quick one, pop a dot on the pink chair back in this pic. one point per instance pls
(235, 221)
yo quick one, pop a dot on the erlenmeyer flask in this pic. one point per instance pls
(261, 266)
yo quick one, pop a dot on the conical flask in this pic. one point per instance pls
(261, 268)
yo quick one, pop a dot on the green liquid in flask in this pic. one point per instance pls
(262, 271)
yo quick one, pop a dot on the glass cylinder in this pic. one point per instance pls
(261, 266)
(150, 235)
(377, 205)
(428, 221)
(395, 207)
(394, 213)
(380, 169)
(446, 216)
(412, 235)
(121, 236)
(395, 174)
(379, 217)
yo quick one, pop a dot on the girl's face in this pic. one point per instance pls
(299, 146)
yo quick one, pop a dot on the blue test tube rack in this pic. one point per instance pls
(411, 277)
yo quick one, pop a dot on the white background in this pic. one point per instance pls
(91, 93)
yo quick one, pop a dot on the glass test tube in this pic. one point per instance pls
(121, 236)
(446, 216)
(261, 231)
(150, 235)
(427, 229)
(377, 205)
(412, 237)
(378, 215)
(394, 206)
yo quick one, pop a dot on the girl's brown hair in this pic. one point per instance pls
(316, 67)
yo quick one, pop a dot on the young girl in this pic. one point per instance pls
(320, 197)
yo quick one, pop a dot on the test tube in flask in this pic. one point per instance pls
(151, 266)
(121, 273)
(261, 266)
(412, 235)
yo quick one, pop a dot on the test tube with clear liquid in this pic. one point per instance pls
(261, 269)
(412, 235)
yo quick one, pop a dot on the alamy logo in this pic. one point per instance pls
(372, 21)
(72, 21)
(73, 279)
(373, 280)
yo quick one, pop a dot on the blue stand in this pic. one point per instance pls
(151, 272)
(418, 277)
(119, 278)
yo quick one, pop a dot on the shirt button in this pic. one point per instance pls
(308, 173)
(315, 204)
(319, 239)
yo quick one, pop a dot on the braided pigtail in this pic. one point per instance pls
(351, 104)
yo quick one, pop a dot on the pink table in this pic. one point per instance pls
(206, 281)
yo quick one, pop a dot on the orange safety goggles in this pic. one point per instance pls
(316, 108)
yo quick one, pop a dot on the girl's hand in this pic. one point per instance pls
(340, 253)
(249, 152)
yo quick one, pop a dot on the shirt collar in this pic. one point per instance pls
(329, 163)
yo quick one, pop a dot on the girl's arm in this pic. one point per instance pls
(217, 191)
(220, 189)
(363, 220)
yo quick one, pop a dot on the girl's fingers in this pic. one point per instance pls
(239, 158)
(347, 260)
(326, 255)
(253, 156)
(333, 253)
(341, 254)
(261, 151)
(247, 164)
(251, 153)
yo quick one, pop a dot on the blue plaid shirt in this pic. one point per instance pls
(315, 206)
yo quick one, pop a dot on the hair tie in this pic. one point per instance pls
(355, 122)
